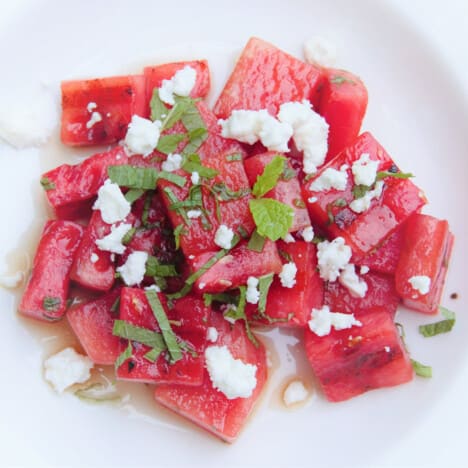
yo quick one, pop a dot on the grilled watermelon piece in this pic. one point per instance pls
(343, 104)
(425, 255)
(98, 111)
(353, 361)
(188, 317)
(292, 306)
(265, 77)
(92, 323)
(206, 406)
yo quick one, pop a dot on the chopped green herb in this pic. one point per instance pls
(175, 114)
(133, 177)
(299, 203)
(223, 298)
(340, 203)
(234, 157)
(124, 355)
(360, 190)
(196, 127)
(98, 393)
(169, 337)
(147, 207)
(269, 177)
(203, 269)
(396, 175)
(134, 194)
(168, 143)
(288, 173)
(115, 307)
(285, 255)
(194, 164)
(141, 335)
(47, 184)
(158, 108)
(272, 218)
(173, 178)
(242, 232)
(154, 268)
(51, 304)
(238, 313)
(173, 199)
(127, 238)
(226, 194)
(339, 79)
(443, 326)
(178, 231)
(421, 369)
(264, 283)
(256, 242)
(153, 354)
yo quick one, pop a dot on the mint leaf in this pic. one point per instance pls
(141, 335)
(269, 178)
(47, 184)
(176, 113)
(169, 336)
(194, 164)
(264, 283)
(144, 178)
(256, 242)
(338, 79)
(133, 194)
(272, 218)
(396, 175)
(224, 193)
(196, 128)
(123, 356)
(158, 108)
(169, 143)
(443, 326)
(234, 157)
(421, 369)
(51, 304)
(154, 268)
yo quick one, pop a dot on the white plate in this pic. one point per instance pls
(417, 113)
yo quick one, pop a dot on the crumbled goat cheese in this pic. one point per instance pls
(312, 200)
(133, 270)
(142, 136)
(195, 178)
(310, 132)
(28, 120)
(252, 294)
(275, 135)
(181, 84)
(212, 334)
(364, 269)
(289, 239)
(351, 281)
(11, 281)
(332, 257)
(330, 179)
(359, 205)
(295, 392)
(322, 321)
(387, 349)
(249, 126)
(421, 284)
(153, 287)
(67, 368)
(224, 236)
(172, 163)
(308, 234)
(193, 214)
(91, 106)
(112, 203)
(94, 257)
(287, 275)
(94, 119)
(233, 377)
(364, 170)
(113, 241)
(319, 51)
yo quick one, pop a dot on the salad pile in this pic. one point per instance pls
(199, 225)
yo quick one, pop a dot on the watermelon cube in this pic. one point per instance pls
(350, 362)
(264, 78)
(363, 230)
(205, 405)
(92, 323)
